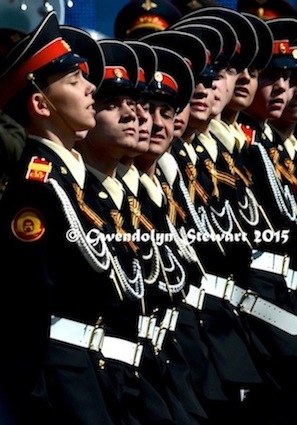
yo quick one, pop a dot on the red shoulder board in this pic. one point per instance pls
(38, 169)
(250, 134)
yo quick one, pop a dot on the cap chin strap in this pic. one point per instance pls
(31, 79)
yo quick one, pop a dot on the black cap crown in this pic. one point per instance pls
(173, 81)
(245, 32)
(230, 39)
(265, 41)
(187, 45)
(148, 62)
(121, 68)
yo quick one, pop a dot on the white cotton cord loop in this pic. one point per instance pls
(183, 245)
(226, 212)
(174, 265)
(100, 261)
(133, 286)
(155, 267)
(278, 191)
(249, 205)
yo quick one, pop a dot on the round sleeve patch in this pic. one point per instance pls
(28, 225)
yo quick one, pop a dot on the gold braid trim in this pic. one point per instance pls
(286, 171)
(234, 170)
(95, 219)
(119, 221)
(137, 216)
(194, 187)
(218, 176)
(174, 207)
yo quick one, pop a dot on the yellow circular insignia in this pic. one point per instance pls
(28, 225)
(118, 73)
(159, 76)
(199, 149)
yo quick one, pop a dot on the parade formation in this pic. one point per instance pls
(148, 220)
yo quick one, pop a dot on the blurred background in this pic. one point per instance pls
(97, 16)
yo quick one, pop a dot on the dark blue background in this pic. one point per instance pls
(99, 15)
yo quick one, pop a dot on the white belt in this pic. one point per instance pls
(246, 300)
(291, 280)
(93, 338)
(270, 262)
(249, 302)
(216, 286)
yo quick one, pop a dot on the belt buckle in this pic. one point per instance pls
(285, 265)
(96, 339)
(137, 354)
(229, 288)
(248, 293)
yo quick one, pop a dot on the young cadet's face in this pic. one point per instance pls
(116, 125)
(145, 124)
(71, 95)
(290, 111)
(163, 127)
(272, 94)
(245, 89)
(145, 120)
(224, 88)
(201, 104)
(181, 121)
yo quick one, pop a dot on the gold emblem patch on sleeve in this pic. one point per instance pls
(28, 225)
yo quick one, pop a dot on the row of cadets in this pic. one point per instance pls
(162, 288)
(285, 126)
(169, 90)
(273, 275)
(158, 317)
(115, 134)
(51, 292)
(123, 297)
(79, 303)
(270, 324)
(163, 105)
(215, 312)
(267, 282)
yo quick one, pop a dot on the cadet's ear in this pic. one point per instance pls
(38, 104)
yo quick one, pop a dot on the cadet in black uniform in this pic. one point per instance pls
(214, 308)
(145, 219)
(50, 371)
(271, 272)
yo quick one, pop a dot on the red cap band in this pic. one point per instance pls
(16, 80)
(281, 47)
(112, 72)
